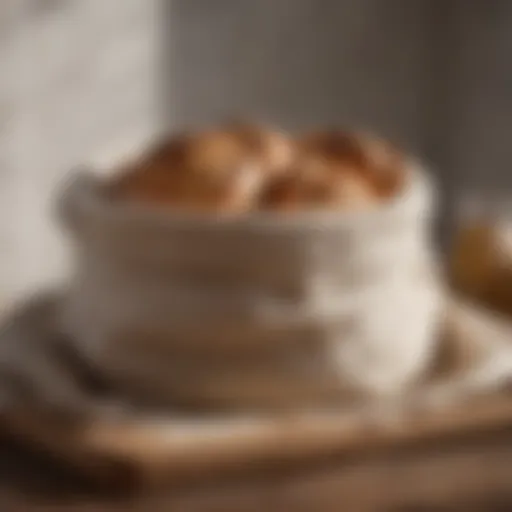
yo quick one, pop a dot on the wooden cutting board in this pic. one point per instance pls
(459, 459)
(437, 446)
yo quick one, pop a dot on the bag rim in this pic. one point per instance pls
(81, 200)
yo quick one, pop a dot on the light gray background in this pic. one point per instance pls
(75, 76)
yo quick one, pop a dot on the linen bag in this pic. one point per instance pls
(258, 310)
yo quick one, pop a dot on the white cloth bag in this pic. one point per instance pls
(254, 311)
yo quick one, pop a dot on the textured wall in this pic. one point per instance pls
(434, 76)
(482, 136)
(76, 75)
(303, 62)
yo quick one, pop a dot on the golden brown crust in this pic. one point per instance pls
(386, 165)
(338, 169)
(241, 167)
(376, 159)
(204, 171)
(319, 190)
(334, 147)
(272, 148)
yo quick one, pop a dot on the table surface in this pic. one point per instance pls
(467, 472)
